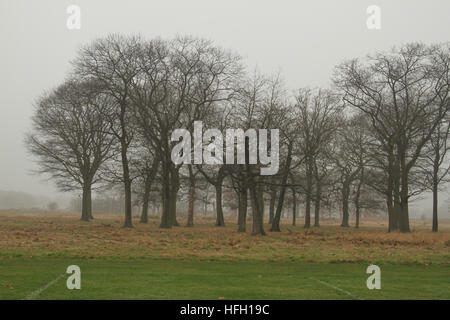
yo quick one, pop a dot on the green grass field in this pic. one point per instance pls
(166, 279)
(206, 262)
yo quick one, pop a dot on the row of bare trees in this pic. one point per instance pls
(375, 139)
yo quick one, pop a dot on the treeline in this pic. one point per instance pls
(112, 202)
(21, 200)
(376, 138)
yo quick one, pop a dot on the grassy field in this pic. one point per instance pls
(207, 262)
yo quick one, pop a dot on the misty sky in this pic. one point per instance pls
(303, 39)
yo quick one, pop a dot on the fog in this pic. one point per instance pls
(302, 39)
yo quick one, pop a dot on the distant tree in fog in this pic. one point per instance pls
(52, 206)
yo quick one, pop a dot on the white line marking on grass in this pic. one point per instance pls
(336, 288)
(38, 291)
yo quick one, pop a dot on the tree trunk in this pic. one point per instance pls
(404, 218)
(273, 196)
(404, 221)
(84, 205)
(389, 193)
(144, 214)
(276, 220)
(345, 196)
(165, 195)
(242, 210)
(173, 208)
(262, 202)
(190, 218)
(390, 189)
(307, 210)
(396, 210)
(436, 161)
(220, 222)
(317, 205)
(174, 188)
(357, 209)
(128, 213)
(357, 197)
(89, 202)
(127, 184)
(294, 207)
(309, 173)
(149, 177)
(390, 211)
(258, 226)
(357, 217)
(435, 207)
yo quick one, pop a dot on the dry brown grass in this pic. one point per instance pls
(39, 234)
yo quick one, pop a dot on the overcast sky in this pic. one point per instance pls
(303, 39)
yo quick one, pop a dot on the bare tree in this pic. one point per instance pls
(113, 62)
(434, 167)
(70, 137)
(350, 158)
(180, 82)
(317, 122)
(404, 92)
(259, 105)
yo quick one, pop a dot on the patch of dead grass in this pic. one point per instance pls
(37, 234)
